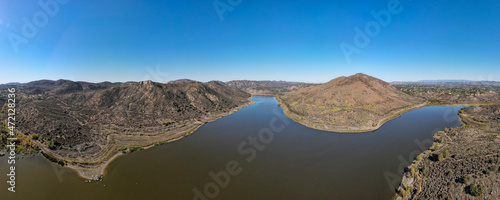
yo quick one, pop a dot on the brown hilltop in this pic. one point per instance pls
(348, 104)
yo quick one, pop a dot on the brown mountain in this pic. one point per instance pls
(356, 103)
(85, 124)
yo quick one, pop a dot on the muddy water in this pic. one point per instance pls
(287, 161)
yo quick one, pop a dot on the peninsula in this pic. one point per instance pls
(358, 103)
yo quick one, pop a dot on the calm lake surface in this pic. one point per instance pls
(296, 163)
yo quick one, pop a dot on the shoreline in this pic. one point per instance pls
(95, 170)
(389, 117)
(404, 189)
(384, 120)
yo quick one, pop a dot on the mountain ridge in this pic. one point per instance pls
(85, 125)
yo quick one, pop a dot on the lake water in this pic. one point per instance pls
(287, 161)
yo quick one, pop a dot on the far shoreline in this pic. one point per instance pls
(386, 119)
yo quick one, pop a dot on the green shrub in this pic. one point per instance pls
(465, 180)
(446, 153)
(167, 123)
(434, 101)
(403, 193)
(440, 157)
(159, 143)
(491, 169)
(425, 170)
(475, 190)
(443, 197)
(135, 149)
(52, 159)
(412, 172)
(443, 155)
(419, 158)
(409, 188)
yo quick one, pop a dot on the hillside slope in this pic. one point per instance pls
(85, 124)
(459, 160)
(356, 103)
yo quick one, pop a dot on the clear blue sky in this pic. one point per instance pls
(295, 40)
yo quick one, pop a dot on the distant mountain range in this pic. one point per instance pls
(266, 87)
(12, 83)
(448, 82)
(279, 85)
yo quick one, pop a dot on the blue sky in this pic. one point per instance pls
(296, 40)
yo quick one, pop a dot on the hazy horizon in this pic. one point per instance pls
(438, 80)
(303, 41)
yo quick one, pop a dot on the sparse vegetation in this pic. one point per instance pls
(473, 163)
(135, 149)
(446, 153)
(453, 93)
(24, 144)
(412, 172)
(443, 197)
(440, 157)
(440, 140)
(77, 119)
(475, 190)
(267, 87)
(339, 106)
(465, 180)
(52, 159)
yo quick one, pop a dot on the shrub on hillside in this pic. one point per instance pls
(475, 190)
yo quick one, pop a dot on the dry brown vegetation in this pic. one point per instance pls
(87, 124)
(471, 168)
(356, 103)
(454, 93)
(268, 88)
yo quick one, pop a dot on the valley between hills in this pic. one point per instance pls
(84, 126)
